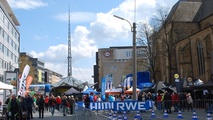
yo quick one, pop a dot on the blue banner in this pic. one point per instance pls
(121, 105)
(103, 86)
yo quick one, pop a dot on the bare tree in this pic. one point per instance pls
(166, 42)
(146, 37)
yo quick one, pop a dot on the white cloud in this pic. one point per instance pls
(26, 4)
(104, 31)
(55, 57)
(77, 17)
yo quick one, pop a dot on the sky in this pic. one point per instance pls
(44, 29)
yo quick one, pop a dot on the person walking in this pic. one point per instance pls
(41, 106)
(23, 109)
(52, 103)
(46, 102)
(13, 107)
(58, 102)
(64, 103)
(72, 104)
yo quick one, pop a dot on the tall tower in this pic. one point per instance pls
(69, 70)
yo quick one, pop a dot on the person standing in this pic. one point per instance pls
(30, 103)
(189, 101)
(168, 101)
(72, 104)
(13, 107)
(87, 101)
(41, 106)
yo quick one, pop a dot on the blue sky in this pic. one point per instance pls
(44, 29)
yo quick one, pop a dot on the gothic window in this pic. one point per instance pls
(200, 55)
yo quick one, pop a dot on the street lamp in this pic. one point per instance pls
(134, 75)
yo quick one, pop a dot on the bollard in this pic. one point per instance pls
(110, 115)
(120, 117)
(124, 116)
(153, 114)
(208, 116)
(138, 116)
(180, 115)
(194, 116)
(165, 114)
(114, 116)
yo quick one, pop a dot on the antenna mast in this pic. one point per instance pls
(69, 71)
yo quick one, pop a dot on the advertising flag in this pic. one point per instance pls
(22, 80)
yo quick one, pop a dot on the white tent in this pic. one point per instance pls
(4, 86)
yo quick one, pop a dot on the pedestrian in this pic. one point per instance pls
(189, 101)
(64, 103)
(13, 107)
(72, 104)
(76, 99)
(58, 102)
(30, 103)
(46, 102)
(23, 109)
(168, 101)
(51, 104)
(87, 101)
(41, 106)
(159, 102)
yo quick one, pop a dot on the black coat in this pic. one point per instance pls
(40, 102)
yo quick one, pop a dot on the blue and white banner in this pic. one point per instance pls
(103, 86)
(125, 83)
(121, 105)
(109, 81)
(129, 79)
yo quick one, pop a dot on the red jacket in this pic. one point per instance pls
(175, 98)
(46, 100)
(159, 97)
(58, 100)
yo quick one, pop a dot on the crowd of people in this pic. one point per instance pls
(162, 100)
(165, 100)
(23, 108)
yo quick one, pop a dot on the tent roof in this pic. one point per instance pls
(70, 81)
(113, 91)
(130, 90)
(71, 91)
(4, 86)
(90, 90)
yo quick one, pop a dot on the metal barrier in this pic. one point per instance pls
(82, 113)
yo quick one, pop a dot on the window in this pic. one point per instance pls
(200, 55)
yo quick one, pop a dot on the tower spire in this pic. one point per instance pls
(69, 71)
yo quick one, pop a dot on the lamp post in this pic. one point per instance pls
(134, 56)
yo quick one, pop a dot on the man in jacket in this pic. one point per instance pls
(13, 107)
(30, 103)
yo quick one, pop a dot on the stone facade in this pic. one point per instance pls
(192, 41)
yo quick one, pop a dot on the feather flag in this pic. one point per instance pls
(22, 80)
